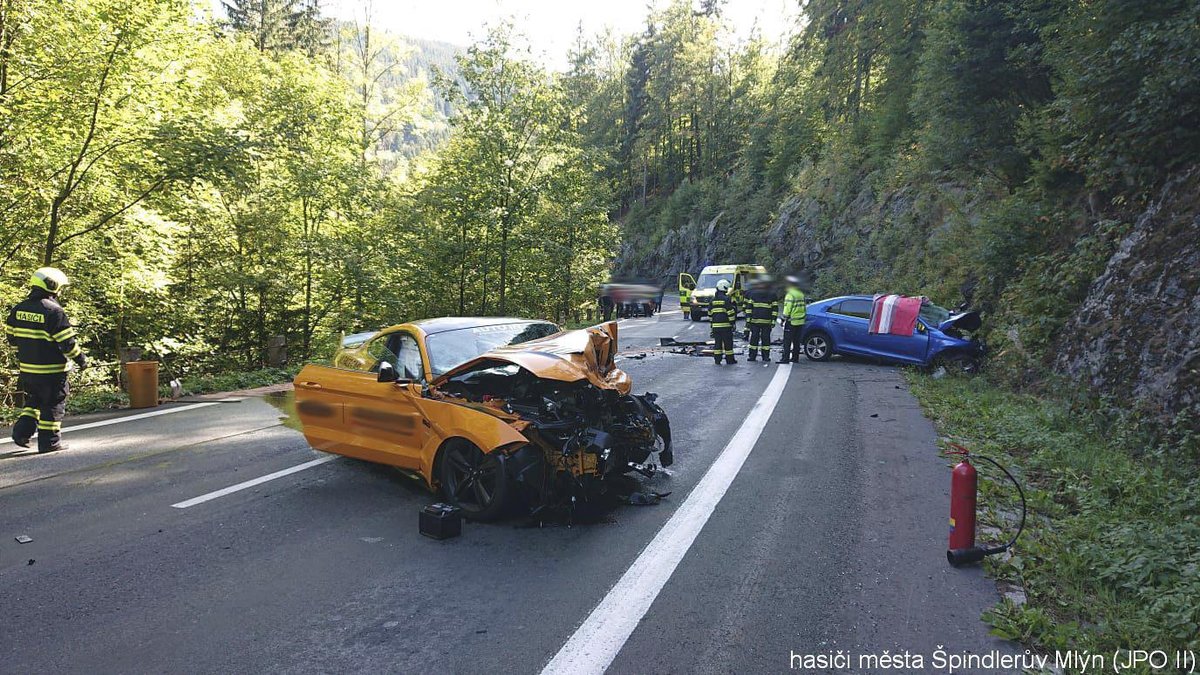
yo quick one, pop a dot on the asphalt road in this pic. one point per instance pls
(828, 534)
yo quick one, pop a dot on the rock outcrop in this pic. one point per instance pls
(1136, 336)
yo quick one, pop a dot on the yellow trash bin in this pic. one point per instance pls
(141, 381)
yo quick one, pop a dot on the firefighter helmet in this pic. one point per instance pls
(49, 279)
(723, 285)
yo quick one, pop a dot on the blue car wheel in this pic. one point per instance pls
(818, 347)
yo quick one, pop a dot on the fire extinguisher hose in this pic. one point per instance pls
(1024, 509)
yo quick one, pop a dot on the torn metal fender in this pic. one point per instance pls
(662, 425)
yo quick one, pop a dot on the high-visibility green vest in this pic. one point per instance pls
(794, 307)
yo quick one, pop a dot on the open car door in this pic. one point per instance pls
(687, 283)
(351, 412)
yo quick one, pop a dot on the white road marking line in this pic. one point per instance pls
(251, 483)
(602, 635)
(130, 418)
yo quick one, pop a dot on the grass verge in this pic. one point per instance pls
(1110, 558)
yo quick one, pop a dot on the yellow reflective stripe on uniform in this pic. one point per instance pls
(73, 352)
(64, 335)
(29, 412)
(43, 368)
(31, 333)
(49, 426)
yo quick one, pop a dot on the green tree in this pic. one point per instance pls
(280, 25)
(511, 195)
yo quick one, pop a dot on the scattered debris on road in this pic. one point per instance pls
(672, 342)
(647, 498)
(23, 539)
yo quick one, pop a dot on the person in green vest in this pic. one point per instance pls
(792, 318)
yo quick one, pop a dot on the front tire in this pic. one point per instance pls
(818, 347)
(474, 481)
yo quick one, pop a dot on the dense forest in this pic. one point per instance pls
(216, 182)
(210, 183)
(1034, 158)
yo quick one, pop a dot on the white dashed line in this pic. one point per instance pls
(251, 483)
(129, 418)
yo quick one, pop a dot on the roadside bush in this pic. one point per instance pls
(235, 381)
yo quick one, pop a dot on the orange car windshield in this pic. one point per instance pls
(450, 348)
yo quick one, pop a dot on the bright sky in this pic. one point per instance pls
(550, 25)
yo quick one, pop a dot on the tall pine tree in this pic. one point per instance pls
(280, 25)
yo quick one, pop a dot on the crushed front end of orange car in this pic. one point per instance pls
(565, 395)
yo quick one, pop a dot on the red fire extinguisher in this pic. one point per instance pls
(964, 483)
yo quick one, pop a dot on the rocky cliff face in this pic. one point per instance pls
(686, 248)
(793, 237)
(1137, 334)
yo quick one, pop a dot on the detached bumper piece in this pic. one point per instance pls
(441, 521)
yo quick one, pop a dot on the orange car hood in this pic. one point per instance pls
(569, 356)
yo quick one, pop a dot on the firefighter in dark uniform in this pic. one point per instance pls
(723, 313)
(792, 318)
(45, 342)
(764, 309)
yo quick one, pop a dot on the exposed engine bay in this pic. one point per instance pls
(583, 440)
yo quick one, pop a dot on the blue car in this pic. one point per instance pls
(839, 326)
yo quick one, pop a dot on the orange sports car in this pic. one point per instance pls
(493, 412)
